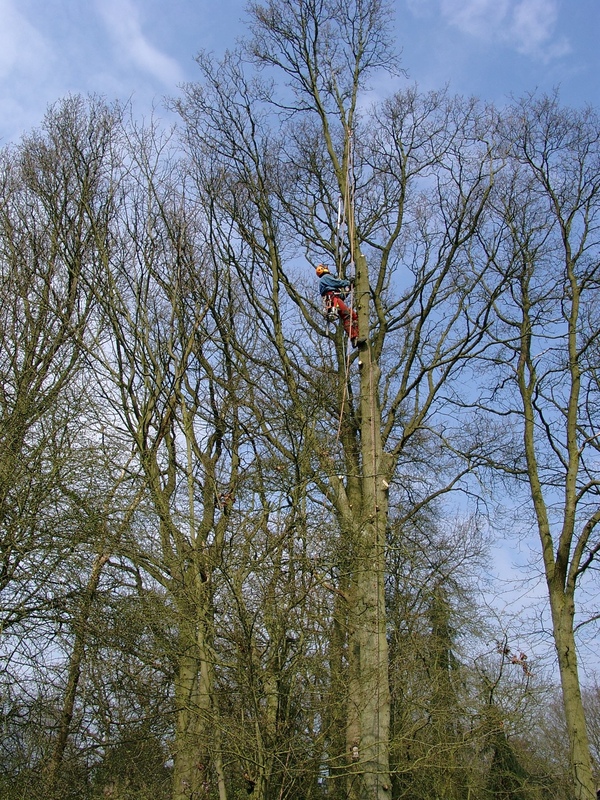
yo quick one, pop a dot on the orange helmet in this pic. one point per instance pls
(321, 269)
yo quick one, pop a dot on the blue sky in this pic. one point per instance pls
(143, 49)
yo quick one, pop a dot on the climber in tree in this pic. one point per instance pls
(334, 291)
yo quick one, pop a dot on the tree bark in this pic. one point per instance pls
(369, 696)
(563, 612)
(191, 773)
(75, 664)
(561, 563)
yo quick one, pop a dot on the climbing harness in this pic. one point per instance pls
(330, 312)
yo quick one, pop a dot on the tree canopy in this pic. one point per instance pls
(240, 556)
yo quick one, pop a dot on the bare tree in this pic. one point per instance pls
(166, 371)
(545, 356)
(271, 161)
(55, 194)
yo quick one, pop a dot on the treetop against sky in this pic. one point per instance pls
(129, 49)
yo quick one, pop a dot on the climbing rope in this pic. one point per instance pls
(345, 223)
(379, 554)
(349, 200)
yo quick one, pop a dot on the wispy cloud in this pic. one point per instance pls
(29, 64)
(420, 8)
(476, 17)
(23, 49)
(529, 26)
(533, 25)
(123, 24)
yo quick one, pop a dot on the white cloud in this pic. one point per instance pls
(420, 8)
(476, 17)
(124, 27)
(529, 26)
(22, 47)
(532, 29)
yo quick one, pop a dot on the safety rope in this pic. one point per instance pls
(341, 224)
(378, 556)
(349, 200)
(345, 221)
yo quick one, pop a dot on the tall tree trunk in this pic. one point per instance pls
(369, 695)
(563, 611)
(75, 663)
(560, 575)
(340, 735)
(192, 774)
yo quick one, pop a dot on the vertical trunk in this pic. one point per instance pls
(563, 610)
(191, 774)
(339, 742)
(75, 664)
(560, 576)
(189, 763)
(267, 736)
(369, 700)
(218, 744)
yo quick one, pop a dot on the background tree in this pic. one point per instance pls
(544, 340)
(165, 370)
(55, 196)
